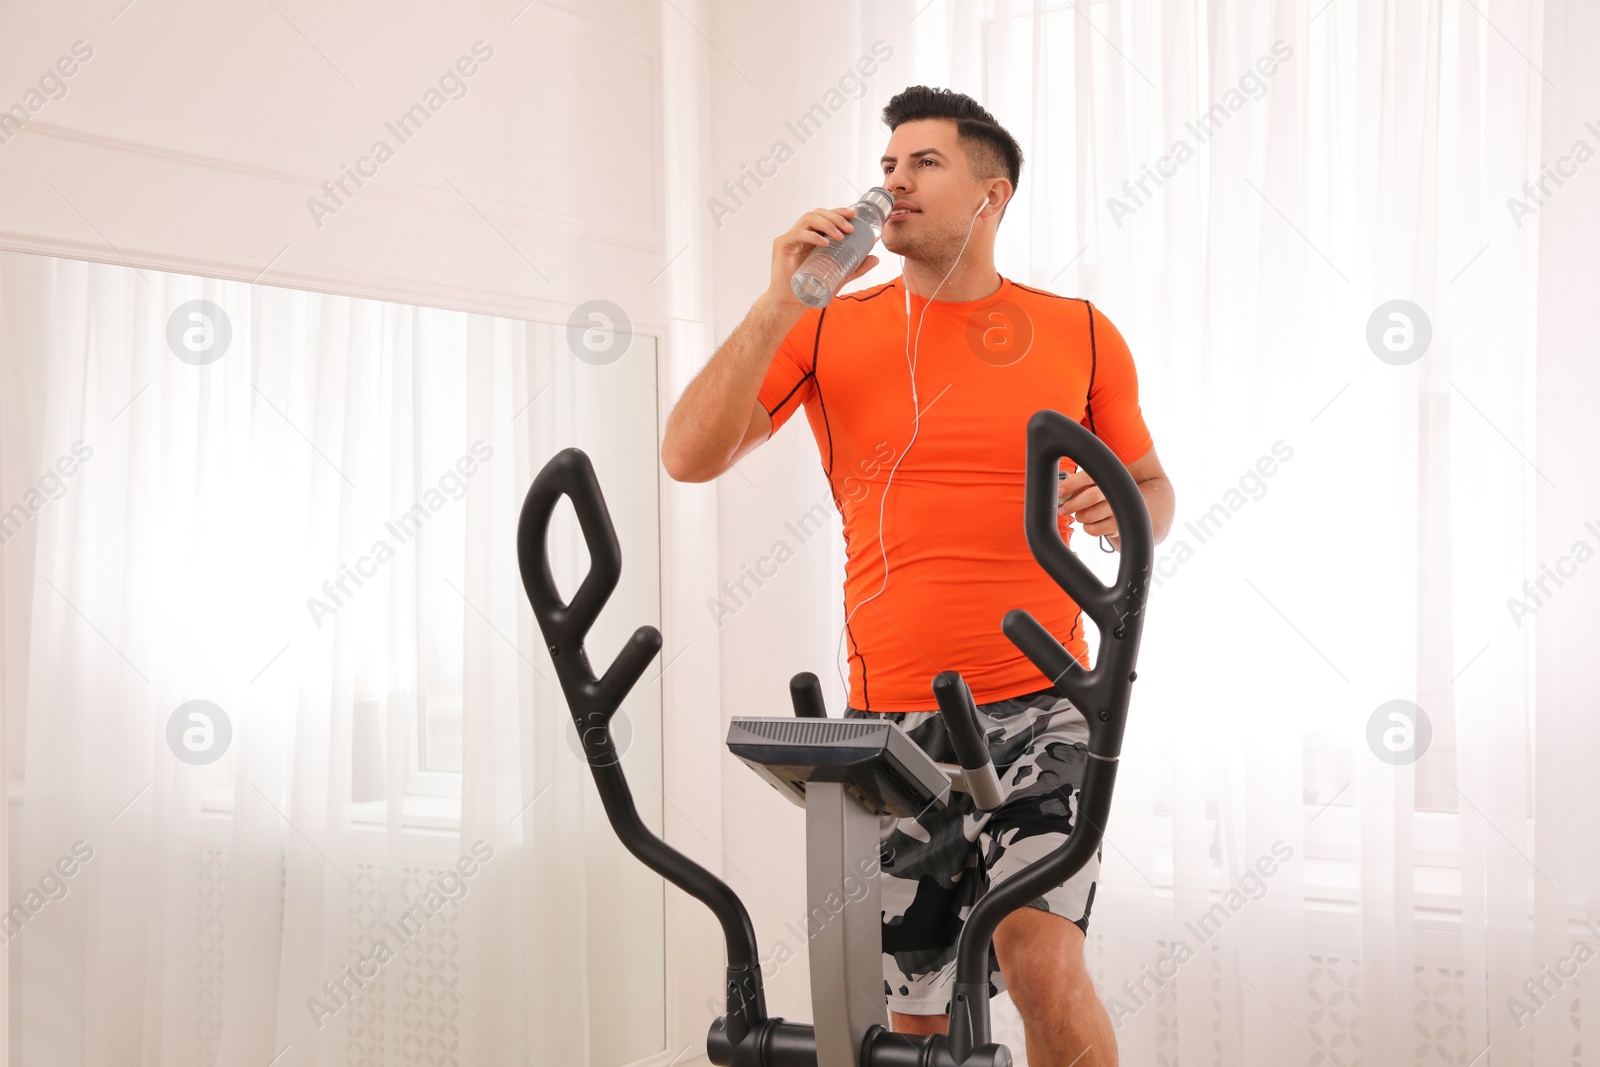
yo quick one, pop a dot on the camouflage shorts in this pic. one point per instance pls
(930, 864)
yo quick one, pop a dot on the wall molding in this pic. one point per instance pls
(355, 284)
(308, 174)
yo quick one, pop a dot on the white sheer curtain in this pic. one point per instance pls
(397, 773)
(1349, 527)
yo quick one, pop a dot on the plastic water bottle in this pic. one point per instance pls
(827, 266)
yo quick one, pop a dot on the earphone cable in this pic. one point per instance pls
(912, 346)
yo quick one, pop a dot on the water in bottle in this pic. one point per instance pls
(827, 266)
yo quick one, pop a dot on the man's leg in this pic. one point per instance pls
(919, 1024)
(1064, 1021)
(1041, 957)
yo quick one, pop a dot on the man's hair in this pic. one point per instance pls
(991, 151)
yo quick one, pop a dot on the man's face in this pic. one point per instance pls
(927, 172)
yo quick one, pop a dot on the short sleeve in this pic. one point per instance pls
(791, 379)
(1113, 408)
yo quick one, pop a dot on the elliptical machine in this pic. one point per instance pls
(848, 773)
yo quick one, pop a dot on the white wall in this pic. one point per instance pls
(1568, 497)
(195, 135)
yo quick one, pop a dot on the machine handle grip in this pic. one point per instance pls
(1052, 436)
(1117, 609)
(805, 691)
(566, 625)
(972, 751)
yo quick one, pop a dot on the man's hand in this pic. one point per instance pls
(813, 230)
(1079, 497)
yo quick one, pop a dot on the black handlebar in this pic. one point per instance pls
(594, 701)
(961, 720)
(806, 693)
(1118, 609)
(1101, 693)
(960, 717)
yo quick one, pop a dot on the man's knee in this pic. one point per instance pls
(1039, 953)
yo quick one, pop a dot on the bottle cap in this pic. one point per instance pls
(880, 198)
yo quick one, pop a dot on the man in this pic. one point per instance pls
(931, 494)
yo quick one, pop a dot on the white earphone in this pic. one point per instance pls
(916, 424)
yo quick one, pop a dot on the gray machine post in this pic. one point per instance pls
(847, 774)
(841, 844)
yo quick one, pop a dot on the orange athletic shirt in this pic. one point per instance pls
(958, 558)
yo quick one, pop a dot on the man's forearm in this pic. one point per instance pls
(708, 423)
(1161, 502)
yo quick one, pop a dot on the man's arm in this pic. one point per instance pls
(1159, 496)
(714, 424)
(718, 419)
